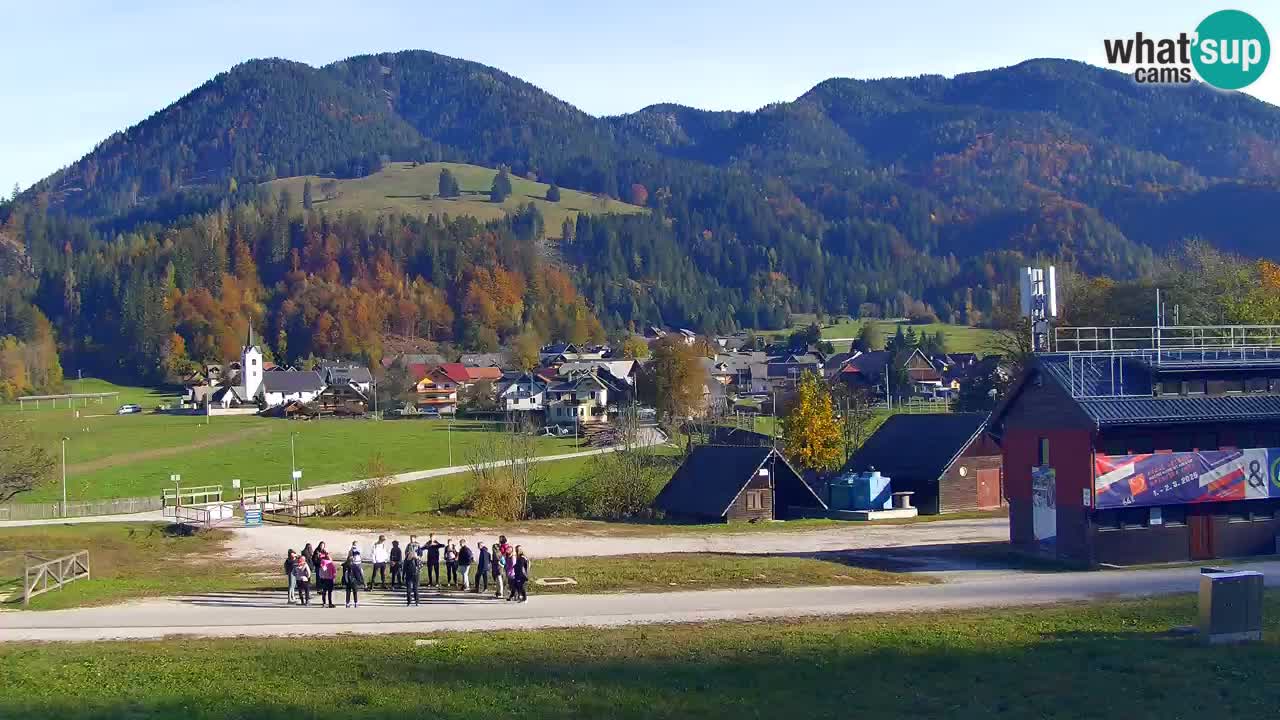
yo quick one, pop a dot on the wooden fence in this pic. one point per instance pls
(266, 494)
(191, 495)
(53, 510)
(45, 575)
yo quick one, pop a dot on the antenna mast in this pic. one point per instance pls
(1039, 295)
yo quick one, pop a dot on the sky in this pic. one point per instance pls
(74, 71)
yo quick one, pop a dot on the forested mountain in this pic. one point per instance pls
(908, 196)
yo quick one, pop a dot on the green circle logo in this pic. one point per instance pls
(1232, 49)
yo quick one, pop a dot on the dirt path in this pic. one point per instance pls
(158, 453)
(272, 541)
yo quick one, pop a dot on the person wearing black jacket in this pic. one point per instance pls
(433, 561)
(396, 558)
(412, 570)
(521, 577)
(465, 559)
(482, 569)
(289, 561)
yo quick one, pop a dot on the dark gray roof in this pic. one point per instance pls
(292, 382)
(917, 446)
(711, 477)
(1173, 410)
(348, 374)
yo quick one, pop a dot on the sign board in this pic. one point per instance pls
(175, 478)
(253, 516)
(1044, 506)
(1186, 477)
(297, 474)
(235, 483)
(1086, 497)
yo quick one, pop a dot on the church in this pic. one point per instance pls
(249, 384)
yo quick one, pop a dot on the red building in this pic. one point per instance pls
(1125, 454)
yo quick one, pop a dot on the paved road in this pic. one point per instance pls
(264, 614)
(321, 491)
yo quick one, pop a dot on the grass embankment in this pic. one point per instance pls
(128, 561)
(111, 455)
(1098, 661)
(405, 188)
(960, 338)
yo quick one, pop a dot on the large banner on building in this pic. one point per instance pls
(1186, 477)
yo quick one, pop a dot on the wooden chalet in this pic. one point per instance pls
(724, 483)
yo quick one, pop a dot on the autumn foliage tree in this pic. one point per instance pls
(679, 377)
(811, 432)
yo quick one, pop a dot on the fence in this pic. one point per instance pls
(53, 510)
(49, 575)
(191, 495)
(266, 494)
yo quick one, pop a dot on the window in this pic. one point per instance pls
(1237, 512)
(1142, 445)
(1112, 445)
(1175, 515)
(1233, 386)
(1256, 385)
(1132, 518)
(1043, 457)
(1107, 519)
(754, 500)
(1181, 442)
(1171, 387)
(1196, 387)
(1262, 510)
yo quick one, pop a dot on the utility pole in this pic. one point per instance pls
(449, 436)
(64, 475)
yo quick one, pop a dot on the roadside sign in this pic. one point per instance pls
(175, 478)
(297, 474)
(235, 483)
(252, 517)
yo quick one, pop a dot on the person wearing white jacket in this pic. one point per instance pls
(381, 553)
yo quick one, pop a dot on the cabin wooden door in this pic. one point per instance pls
(989, 488)
(1200, 524)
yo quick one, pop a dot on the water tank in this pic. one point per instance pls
(861, 491)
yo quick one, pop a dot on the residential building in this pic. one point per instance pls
(525, 392)
(734, 483)
(437, 391)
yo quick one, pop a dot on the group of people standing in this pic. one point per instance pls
(502, 562)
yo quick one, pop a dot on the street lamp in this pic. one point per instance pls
(64, 475)
(293, 466)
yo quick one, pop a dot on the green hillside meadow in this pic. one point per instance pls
(413, 188)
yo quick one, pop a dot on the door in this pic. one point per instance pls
(1200, 522)
(989, 488)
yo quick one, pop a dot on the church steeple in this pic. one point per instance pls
(248, 340)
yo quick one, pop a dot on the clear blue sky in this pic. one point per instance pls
(74, 71)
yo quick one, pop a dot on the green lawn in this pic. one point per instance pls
(400, 188)
(131, 560)
(1094, 662)
(133, 455)
(960, 338)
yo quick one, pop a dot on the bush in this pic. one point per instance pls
(373, 495)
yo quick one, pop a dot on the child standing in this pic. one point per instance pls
(325, 577)
(302, 580)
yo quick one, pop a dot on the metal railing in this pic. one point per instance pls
(266, 494)
(47, 575)
(1188, 339)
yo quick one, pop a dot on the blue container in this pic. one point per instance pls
(861, 491)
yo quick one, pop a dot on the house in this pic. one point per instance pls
(345, 373)
(524, 392)
(621, 370)
(300, 386)
(437, 391)
(342, 399)
(1145, 454)
(484, 360)
(779, 376)
(582, 398)
(947, 460)
(731, 483)
(485, 373)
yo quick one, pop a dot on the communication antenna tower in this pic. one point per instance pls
(1039, 294)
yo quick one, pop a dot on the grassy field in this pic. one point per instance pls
(132, 560)
(405, 188)
(960, 338)
(133, 455)
(1104, 660)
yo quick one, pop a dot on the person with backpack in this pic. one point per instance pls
(302, 580)
(450, 564)
(520, 576)
(324, 579)
(380, 557)
(353, 575)
(412, 570)
(482, 569)
(289, 561)
(395, 558)
(433, 560)
(464, 566)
